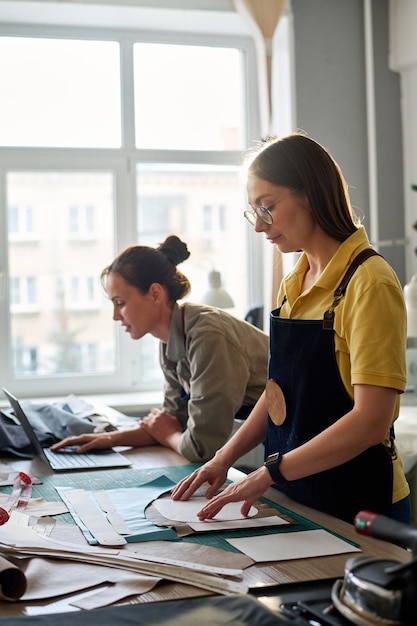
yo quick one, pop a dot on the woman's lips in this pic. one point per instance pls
(274, 239)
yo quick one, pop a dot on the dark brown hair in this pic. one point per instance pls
(141, 266)
(303, 165)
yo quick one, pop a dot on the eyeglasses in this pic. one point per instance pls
(263, 212)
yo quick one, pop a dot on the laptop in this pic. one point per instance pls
(66, 460)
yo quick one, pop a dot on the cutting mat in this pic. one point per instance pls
(122, 478)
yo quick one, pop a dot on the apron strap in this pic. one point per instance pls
(328, 318)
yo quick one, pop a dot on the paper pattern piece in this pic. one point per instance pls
(186, 510)
(5, 475)
(191, 553)
(244, 524)
(39, 507)
(18, 519)
(178, 513)
(296, 545)
(130, 504)
(133, 586)
(112, 515)
(49, 578)
(93, 518)
(25, 541)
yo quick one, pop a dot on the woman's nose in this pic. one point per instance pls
(260, 225)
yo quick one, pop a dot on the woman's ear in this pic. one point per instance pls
(157, 292)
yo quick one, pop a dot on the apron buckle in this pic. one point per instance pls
(328, 319)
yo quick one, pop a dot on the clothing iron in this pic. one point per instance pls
(375, 591)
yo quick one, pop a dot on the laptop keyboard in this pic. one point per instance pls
(74, 461)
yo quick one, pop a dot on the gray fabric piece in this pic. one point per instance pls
(50, 422)
(14, 441)
(49, 418)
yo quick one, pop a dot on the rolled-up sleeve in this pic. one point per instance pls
(213, 364)
(219, 376)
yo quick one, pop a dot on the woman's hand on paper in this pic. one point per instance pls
(248, 490)
(213, 472)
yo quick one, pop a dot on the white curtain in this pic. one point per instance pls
(262, 17)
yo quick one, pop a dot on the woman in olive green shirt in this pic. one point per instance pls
(215, 365)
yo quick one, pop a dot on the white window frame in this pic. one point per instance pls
(122, 163)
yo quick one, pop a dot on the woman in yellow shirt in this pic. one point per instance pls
(337, 360)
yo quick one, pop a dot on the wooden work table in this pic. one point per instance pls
(259, 576)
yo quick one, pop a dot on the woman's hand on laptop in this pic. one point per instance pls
(86, 442)
(134, 437)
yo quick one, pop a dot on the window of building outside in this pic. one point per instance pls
(97, 154)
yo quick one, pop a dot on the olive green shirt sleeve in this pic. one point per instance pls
(223, 366)
(219, 376)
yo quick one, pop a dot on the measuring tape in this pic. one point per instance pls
(20, 496)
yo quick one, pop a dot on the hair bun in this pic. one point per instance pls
(174, 249)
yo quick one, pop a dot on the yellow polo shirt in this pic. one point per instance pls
(370, 323)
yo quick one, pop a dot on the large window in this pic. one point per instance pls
(60, 93)
(204, 89)
(56, 304)
(105, 141)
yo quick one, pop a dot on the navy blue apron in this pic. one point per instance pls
(303, 364)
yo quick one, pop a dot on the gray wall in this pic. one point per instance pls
(331, 105)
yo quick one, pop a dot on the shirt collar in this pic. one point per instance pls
(334, 271)
(175, 347)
